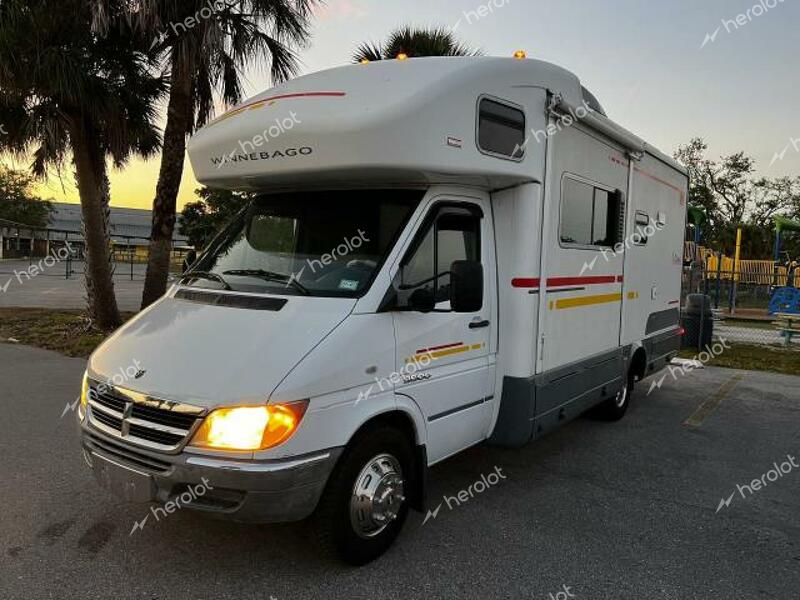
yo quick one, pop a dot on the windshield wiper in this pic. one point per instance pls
(289, 280)
(210, 276)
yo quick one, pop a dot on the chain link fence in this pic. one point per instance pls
(129, 254)
(759, 308)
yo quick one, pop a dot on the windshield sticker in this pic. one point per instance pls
(348, 284)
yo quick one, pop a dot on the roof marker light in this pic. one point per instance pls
(365, 61)
(402, 56)
(520, 55)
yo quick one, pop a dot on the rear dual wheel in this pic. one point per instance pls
(615, 408)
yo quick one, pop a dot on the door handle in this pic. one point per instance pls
(478, 324)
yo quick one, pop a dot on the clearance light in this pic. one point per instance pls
(402, 56)
(250, 427)
(682, 331)
(520, 55)
(365, 61)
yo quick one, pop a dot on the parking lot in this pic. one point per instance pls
(596, 510)
(50, 288)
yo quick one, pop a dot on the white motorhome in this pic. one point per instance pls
(439, 252)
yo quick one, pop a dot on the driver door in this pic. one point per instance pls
(443, 357)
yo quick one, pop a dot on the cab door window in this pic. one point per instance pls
(453, 234)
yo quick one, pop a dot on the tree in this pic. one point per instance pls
(732, 197)
(414, 42)
(65, 91)
(200, 221)
(18, 203)
(206, 46)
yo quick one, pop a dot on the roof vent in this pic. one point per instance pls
(592, 102)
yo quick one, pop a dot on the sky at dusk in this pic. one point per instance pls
(645, 61)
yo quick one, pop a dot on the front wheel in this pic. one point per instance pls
(615, 408)
(364, 504)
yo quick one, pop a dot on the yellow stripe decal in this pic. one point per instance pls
(587, 301)
(633, 295)
(445, 352)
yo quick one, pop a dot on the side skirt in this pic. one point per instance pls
(532, 407)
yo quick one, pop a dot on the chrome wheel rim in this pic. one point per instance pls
(378, 496)
(622, 397)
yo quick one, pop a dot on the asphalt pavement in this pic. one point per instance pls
(645, 508)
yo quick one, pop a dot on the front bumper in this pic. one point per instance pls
(238, 490)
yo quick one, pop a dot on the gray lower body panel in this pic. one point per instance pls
(531, 407)
(661, 349)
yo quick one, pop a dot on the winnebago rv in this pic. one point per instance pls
(439, 252)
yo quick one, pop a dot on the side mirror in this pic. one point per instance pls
(466, 286)
(189, 260)
(422, 300)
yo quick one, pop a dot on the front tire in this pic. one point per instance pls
(364, 505)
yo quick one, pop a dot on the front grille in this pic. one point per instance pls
(108, 420)
(127, 456)
(135, 418)
(163, 417)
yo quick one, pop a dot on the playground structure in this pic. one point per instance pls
(754, 301)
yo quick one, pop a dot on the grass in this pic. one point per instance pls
(66, 331)
(765, 325)
(753, 357)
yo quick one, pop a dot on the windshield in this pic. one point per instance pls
(312, 243)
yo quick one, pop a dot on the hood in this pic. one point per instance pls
(210, 355)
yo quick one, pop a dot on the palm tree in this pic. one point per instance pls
(415, 42)
(205, 46)
(64, 90)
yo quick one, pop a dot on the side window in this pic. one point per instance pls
(590, 216)
(454, 234)
(501, 129)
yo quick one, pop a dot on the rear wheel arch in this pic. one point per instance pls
(638, 364)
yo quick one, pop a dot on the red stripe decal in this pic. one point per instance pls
(620, 279)
(522, 282)
(434, 348)
(285, 97)
(681, 193)
(597, 280)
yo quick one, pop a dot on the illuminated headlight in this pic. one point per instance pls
(250, 427)
(84, 396)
